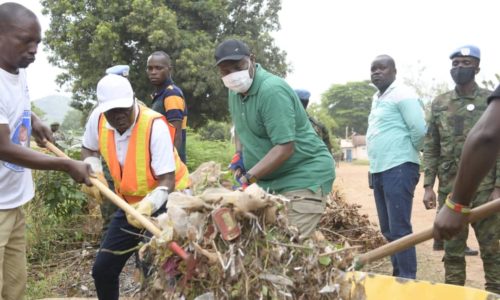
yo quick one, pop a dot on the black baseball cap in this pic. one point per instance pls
(231, 50)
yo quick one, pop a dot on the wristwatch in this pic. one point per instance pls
(250, 178)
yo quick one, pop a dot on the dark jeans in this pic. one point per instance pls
(108, 266)
(393, 190)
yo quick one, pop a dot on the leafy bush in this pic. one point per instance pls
(57, 203)
(48, 234)
(72, 120)
(60, 193)
(215, 131)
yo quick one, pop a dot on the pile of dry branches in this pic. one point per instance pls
(262, 259)
(342, 223)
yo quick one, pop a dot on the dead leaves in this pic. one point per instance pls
(266, 260)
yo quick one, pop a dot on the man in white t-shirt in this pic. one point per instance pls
(131, 139)
(20, 34)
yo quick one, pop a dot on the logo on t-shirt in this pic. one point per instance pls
(21, 136)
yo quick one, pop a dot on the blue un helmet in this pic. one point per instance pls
(304, 96)
(121, 70)
(467, 50)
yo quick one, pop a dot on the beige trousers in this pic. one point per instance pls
(12, 254)
(305, 209)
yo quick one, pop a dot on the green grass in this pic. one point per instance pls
(200, 151)
(42, 284)
(361, 162)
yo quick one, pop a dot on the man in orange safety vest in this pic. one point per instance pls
(131, 139)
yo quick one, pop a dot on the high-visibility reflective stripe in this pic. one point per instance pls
(138, 156)
(136, 179)
(106, 145)
(182, 181)
(171, 130)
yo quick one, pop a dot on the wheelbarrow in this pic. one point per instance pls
(376, 286)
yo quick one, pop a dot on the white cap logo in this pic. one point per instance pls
(465, 51)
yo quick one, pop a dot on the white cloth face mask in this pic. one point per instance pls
(238, 82)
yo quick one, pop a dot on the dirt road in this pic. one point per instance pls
(352, 180)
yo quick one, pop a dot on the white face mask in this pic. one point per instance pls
(238, 82)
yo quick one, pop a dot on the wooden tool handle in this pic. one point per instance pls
(410, 240)
(148, 225)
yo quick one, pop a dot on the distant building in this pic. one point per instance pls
(354, 148)
(346, 147)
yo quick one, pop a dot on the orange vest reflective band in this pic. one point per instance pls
(136, 179)
(171, 130)
(182, 180)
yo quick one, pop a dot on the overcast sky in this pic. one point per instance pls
(335, 41)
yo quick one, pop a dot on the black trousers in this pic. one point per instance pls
(108, 266)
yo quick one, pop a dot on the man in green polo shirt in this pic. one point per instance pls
(281, 151)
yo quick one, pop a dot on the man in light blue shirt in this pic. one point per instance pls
(396, 129)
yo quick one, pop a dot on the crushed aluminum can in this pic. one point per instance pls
(226, 223)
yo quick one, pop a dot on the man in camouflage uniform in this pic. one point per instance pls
(453, 114)
(57, 134)
(320, 129)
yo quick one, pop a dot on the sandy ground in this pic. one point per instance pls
(352, 180)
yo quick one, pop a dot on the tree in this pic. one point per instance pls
(427, 90)
(72, 120)
(317, 112)
(349, 105)
(86, 37)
